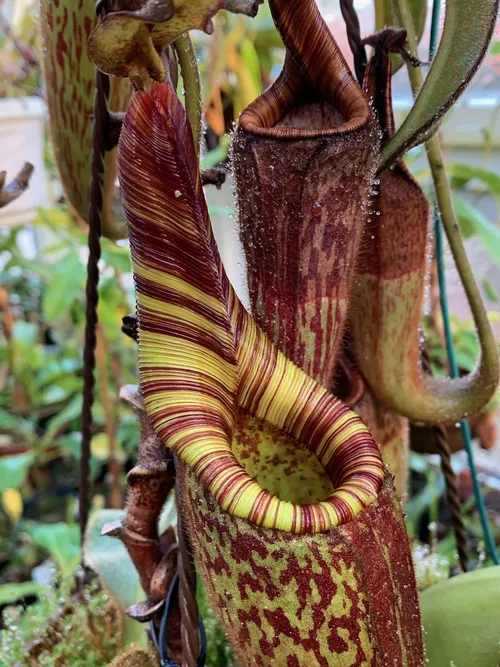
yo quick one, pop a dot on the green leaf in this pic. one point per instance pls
(58, 371)
(66, 415)
(490, 291)
(251, 60)
(10, 593)
(218, 155)
(263, 32)
(116, 256)
(463, 45)
(495, 48)
(13, 470)
(64, 287)
(465, 361)
(55, 218)
(109, 558)
(61, 540)
(473, 222)
(25, 333)
(16, 425)
(461, 620)
(464, 173)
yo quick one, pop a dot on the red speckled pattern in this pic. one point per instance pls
(343, 598)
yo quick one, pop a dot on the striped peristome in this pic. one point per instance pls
(202, 359)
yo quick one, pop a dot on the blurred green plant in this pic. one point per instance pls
(236, 65)
(40, 352)
(41, 339)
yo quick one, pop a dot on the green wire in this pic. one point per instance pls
(436, 11)
(443, 299)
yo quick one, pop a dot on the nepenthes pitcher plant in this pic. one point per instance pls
(295, 524)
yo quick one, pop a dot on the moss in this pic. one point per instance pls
(61, 629)
(136, 656)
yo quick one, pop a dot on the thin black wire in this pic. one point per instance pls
(160, 637)
(353, 29)
(102, 88)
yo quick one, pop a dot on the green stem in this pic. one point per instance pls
(192, 87)
(489, 355)
(380, 17)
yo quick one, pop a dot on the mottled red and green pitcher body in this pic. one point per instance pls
(343, 598)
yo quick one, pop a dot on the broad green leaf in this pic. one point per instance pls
(25, 333)
(66, 415)
(64, 287)
(251, 60)
(464, 173)
(13, 470)
(466, 36)
(16, 425)
(61, 540)
(112, 307)
(10, 593)
(99, 446)
(58, 393)
(58, 369)
(216, 156)
(461, 620)
(263, 31)
(109, 558)
(116, 256)
(465, 361)
(473, 222)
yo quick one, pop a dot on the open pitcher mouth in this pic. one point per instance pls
(272, 480)
(293, 109)
(291, 457)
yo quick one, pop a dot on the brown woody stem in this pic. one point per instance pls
(150, 483)
(16, 187)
